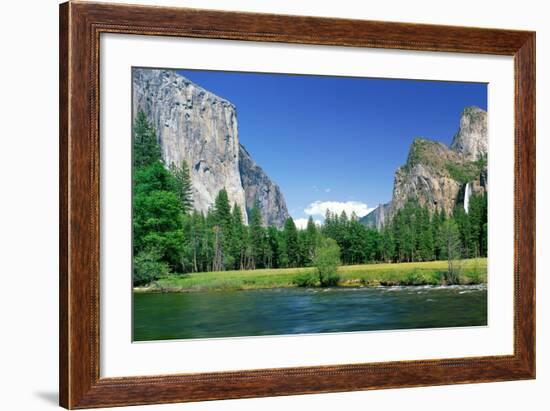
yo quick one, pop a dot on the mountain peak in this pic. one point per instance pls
(170, 78)
(471, 138)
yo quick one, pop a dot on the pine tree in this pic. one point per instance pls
(358, 248)
(387, 244)
(438, 240)
(463, 222)
(311, 240)
(425, 236)
(290, 236)
(372, 246)
(183, 185)
(273, 244)
(224, 221)
(157, 223)
(145, 147)
(208, 240)
(217, 262)
(405, 232)
(257, 237)
(237, 238)
(478, 218)
(302, 254)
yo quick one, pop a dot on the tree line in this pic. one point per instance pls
(170, 236)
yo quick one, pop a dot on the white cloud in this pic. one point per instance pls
(301, 223)
(320, 208)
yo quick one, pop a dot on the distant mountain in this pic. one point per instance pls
(377, 217)
(260, 189)
(435, 175)
(199, 127)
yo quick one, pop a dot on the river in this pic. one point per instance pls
(167, 316)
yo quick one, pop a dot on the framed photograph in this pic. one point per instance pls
(258, 205)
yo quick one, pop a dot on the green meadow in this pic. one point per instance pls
(472, 271)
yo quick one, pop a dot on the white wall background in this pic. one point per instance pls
(28, 205)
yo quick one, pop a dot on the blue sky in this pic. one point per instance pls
(337, 139)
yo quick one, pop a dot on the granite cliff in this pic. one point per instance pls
(471, 138)
(201, 128)
(438, 177)
(259, 188)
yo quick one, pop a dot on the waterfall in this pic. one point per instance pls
(467, 194)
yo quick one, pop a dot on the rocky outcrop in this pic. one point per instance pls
(201, 128)
(259, 189)
(435, 175)
(426, 177)
(471, 138)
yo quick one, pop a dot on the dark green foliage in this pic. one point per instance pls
(145, 148)
(257, 238)
(406, 232)
(386, 247)
(157, 224)
(238, 239)
(477, 214)
(153, 177)
(222, 221)
(273, 247)
(148, 267)
(437, 220)
(291, 250)
(183, 187)
(425, 238)
(156, 219)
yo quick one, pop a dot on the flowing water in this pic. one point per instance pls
(299, 311)
(467, 194)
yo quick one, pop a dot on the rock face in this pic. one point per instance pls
(199, 127)
(259, 189)
(436, 175)
(377, 217)
(471, 138)
(425, 177)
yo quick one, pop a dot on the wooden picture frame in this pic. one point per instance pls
(80, 27)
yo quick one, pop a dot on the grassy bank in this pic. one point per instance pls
(474, 271)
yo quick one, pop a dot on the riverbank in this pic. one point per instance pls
(473, 271)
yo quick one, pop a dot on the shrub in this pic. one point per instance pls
(148, 268)
(331, 280)
(451, 277)
(305, 280)
(475, 276)
(326, 261)
(415, 278)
